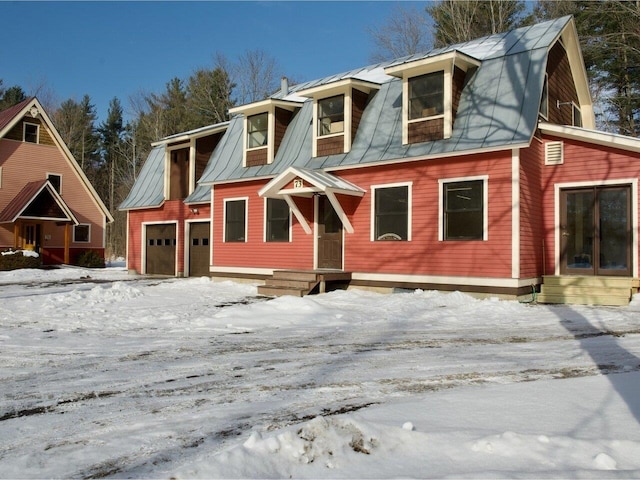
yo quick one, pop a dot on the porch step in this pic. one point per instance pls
(613, 291)
(299, 283)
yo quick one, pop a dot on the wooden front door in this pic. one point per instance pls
(199, 249)
(329, 236)
(595, 231)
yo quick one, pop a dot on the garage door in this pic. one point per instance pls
(199, 249)
(161, 249)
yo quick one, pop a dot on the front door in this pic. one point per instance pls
(595, 231)
(31, 237)
(199, 249)
(329, 236)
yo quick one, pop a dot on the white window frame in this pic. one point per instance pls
(0, 176)
(51, 174)
(24, 132)
(576, 108)
(444, 92)
(485, 206)
(374, 188)
(265, 223)
(246, 218)
(545, 97)
(88, 234)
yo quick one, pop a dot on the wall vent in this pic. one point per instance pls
(553, 153)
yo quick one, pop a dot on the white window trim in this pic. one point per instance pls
(372, 226)
(246, 218)
(88, 236)
(485, 204)
(348, 112)
(270, 136)
(447, 114)
(24, 131)
(0, 176)
(574, 107)
(264, 226)
(49, 174)
(546, 82)
(192, 166)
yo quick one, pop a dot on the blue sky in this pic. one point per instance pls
(118, 49)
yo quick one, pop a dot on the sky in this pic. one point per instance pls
(120, 49)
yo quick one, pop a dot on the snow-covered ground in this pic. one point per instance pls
(103, 374)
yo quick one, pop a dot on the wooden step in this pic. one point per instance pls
(590, 281)
(276, 291)
(592, 299)
(285, 282)
(295, 275)
(587, 290)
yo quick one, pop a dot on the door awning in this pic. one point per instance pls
(303, 182)
(37, 201)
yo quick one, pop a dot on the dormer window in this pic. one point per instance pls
(257, 130)
(331, 115)
(265, 124)
(426, 95)
(337, 109)
(30, 132)
(431, 92)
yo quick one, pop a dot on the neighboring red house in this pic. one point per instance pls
(47, 204)
(168, 214)
(474, 167)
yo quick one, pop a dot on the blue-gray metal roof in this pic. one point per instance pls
(148, 189)
(498, 108)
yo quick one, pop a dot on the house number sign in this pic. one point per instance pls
(297, 183)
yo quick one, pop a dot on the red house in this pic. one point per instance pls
(47, 204)
(474, 167)
(168, 214)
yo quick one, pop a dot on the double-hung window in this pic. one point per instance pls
(30, 132)
(331, 115)
(257, 130)
(464, 209)
(426, 95)
(391, 212)
(235, 220)
(277, 220)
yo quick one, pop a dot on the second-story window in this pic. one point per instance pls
(331, 115)
(257, 130)
(426, 95)
(30, 133)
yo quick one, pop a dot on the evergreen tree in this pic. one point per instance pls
(76, 124)
(209, 96)
(11, 96)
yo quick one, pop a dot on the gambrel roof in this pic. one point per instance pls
(498, 109)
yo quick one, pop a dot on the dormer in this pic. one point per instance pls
(186, 156)
(431, 89)
(337, 109)
(265, 123)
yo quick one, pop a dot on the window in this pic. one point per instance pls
(30, 132)
(235, 225)
(56, 181)
(544, 101)
(257, 130)
(331, 115)
(277, 220)
(81, 233)
(426, 95)
(577, 116)
(0, 177)
(464, 210)
(391, 208)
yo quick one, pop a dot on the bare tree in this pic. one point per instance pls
(256, 75)
(406, 32)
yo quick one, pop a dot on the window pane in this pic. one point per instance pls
(55, 181)
(235, 221)
(331, 115)
(30, 133)
(464, 210)
(81, 233)
(426, 95)
(392, 213)
(257, 130)
(277, 220)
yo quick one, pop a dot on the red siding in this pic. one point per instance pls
(423, 255)
(173, 210)
(255, 252)
(582, 163)
(531, 229)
